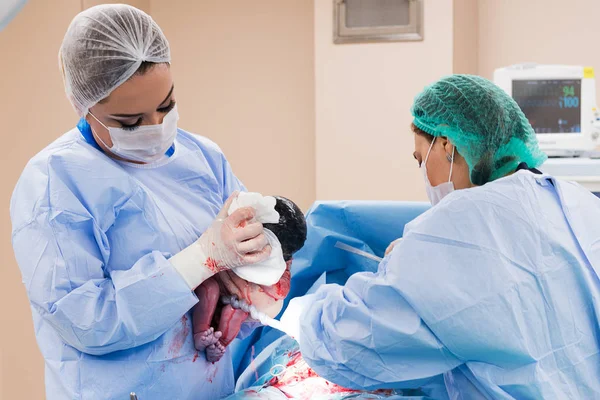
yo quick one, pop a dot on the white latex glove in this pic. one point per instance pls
(269, 271)
(231, 241)
(234, 240)
(391, 246)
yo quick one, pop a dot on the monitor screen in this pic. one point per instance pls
(550, 105)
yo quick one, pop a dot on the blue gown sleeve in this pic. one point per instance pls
(365, 335)
(92, 311)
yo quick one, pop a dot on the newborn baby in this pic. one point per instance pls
(216, 325)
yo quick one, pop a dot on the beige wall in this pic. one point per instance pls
(244, 78)
(465, 40)
(363, 97)
(141, 4)
(34, 112)
(542, 31)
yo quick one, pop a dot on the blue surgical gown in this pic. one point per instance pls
(492, 294)
(92, 238)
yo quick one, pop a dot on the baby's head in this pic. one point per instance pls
(291, 228)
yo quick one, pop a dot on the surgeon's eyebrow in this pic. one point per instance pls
(140, 114)
(126, 115)
(168, 95)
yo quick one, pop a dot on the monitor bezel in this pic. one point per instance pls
(558, 143)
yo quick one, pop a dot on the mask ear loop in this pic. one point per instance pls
(429, 151)
(98, 136)
(100, 122)
(451, 159)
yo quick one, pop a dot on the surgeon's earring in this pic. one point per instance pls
(449, 157)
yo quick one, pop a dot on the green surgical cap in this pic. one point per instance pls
(484, 123)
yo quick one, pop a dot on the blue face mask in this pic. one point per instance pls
(437, 193)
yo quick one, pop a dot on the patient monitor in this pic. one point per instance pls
(560, 103)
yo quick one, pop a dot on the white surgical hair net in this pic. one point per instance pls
(104, 47)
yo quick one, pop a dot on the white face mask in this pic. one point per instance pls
(437, 193)
(147, 143)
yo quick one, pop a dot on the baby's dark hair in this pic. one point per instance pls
(291, 228)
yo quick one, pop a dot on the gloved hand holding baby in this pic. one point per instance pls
(263, 285)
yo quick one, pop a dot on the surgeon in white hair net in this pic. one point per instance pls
(118, 221)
